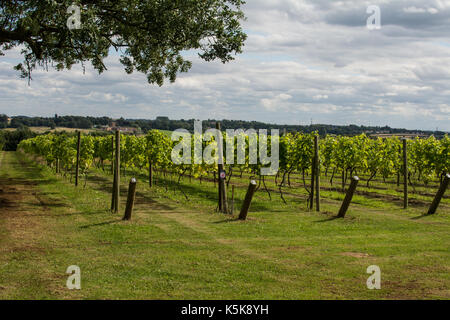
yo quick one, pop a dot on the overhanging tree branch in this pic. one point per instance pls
(153, 33)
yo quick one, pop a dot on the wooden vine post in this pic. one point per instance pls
(150, 172)
(348, 197)
(315, 177)
(130, 199)
(399, 170)
(112, 154)
(405, 174)
(313, 181)
(317, 171)
(247, 200)
(223, 205)
(77, 168)
(116, 184)
(439, 194)
(113, 197)
(232, 199)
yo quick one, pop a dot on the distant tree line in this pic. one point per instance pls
(164, 123)
(10, 139)
(3, 121)
(56, 121)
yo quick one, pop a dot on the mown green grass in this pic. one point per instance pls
(182, 249)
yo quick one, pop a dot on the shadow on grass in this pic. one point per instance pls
(205, 191)
(60, 215)
(227, 221)
(47, 205)
(425, 215)
(100, 224)
(104, 184)
(328, 219)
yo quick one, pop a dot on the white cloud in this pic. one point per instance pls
(320, 97)
(420, 10)
(414, 10)
(303, 59)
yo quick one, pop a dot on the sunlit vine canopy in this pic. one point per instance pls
(428, 158)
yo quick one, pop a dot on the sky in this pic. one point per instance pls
(304, 61)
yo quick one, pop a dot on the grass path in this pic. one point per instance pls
(175, 249)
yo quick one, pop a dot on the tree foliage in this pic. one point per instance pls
(150, 35)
